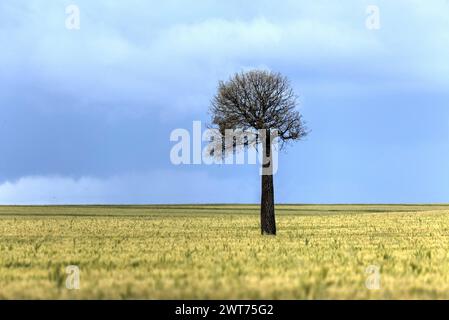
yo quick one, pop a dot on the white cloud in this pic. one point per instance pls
(131, 56)
(156, 187)
(166, 57)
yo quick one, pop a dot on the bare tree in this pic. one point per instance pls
(261, 106)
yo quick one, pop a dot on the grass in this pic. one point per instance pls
(216, 252)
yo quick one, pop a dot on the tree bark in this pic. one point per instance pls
(267, 216)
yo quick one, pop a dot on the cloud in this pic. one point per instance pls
(146, 188)
(119, 56)
(101, 101)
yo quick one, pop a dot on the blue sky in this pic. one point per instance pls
(86, 115)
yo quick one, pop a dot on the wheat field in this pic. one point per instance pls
(216, 252)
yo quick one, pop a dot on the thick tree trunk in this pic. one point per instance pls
(267, 217)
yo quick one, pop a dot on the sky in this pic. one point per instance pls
(86, 114)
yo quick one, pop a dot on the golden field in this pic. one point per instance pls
(216, 252)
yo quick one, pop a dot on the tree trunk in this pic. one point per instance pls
(267, 218)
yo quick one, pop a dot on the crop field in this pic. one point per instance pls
(217, 252)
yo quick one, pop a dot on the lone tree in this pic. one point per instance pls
(261, 106)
